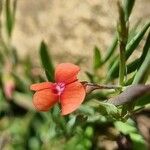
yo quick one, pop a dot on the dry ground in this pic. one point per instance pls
(70, 27)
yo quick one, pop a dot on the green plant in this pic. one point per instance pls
(111, 102)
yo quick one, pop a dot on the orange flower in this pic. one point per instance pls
(67, 90)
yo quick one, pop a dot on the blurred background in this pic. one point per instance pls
(70, 29)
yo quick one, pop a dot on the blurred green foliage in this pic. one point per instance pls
(23, 128)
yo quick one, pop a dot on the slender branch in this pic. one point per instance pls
(93, 86)
(97, 86)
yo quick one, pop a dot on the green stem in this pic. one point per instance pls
(122, 36)
(122, 64)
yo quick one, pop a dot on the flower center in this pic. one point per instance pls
(60, 88)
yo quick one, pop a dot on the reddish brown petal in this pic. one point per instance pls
(43, 100)
(41, 86)
(66, 73)
(72, 97)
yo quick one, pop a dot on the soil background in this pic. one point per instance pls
(70, 27)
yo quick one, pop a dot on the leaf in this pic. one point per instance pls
(14, 55)
(90, 76)
(132, 66)
(81, 119)
(128, 6)
(106, 109)
(138, 141)
(145, 50)
(111, 49)
(144, 100)
(143, 70)
(23, 100)
(70, 124)
(112, 61)
(131, 46)
(114, 70)
(21, 82)
(134, 30)
(96, 95)
(129, 128)
(97, 58)
(4, 106)
(112, 65)
(10, 16)
(138, 62)
(46, 62)
(125, 127)
(109, 110)
(130, 80)
(132, 93)
(85, 109)
(89, 132)
(141, 75)
(1, 58)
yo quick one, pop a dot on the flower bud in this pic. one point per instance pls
(8, 85)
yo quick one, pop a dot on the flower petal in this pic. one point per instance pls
(72, 97)
(44, 99)
(41, 86)
(66, 73)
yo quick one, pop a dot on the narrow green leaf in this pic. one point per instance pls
(1, 58)
(145, 50)
(1, 4)
(111, 49)
(14, 56)
(132, 66)
(138, 62)
(9, 19)
(130, 80)
(131, 46)
(14, 9)
(112, 61)
(142, 70)
(46, 62)
(143, 100)
(21, 82)
(114, 70)
(90, 76)
(108, 109)
(23, 100)
(128, 6)
(132, 33)
(4, 106)
(97, 58)
(98, 96)
(134, 30)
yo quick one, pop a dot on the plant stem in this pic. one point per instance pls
(122, 36)
(103, 86)
(122, 66)
(92, 86)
